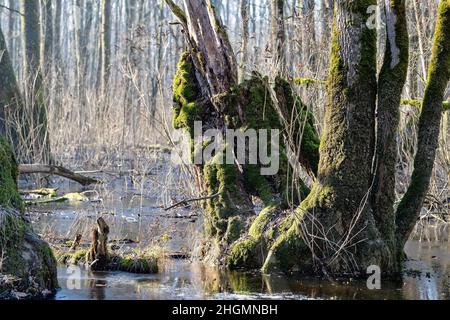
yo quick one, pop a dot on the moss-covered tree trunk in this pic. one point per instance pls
(27, 265)
(347, 221)
(206, 90)
(10, 99)
(391, 81)
(335, 231)
(430, 118)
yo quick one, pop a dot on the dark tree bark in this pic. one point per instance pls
(390, 86)
(346, 223)
(206, 89)
(278, 35)
(430, 118)
(38, 140)
(10, 99)
(26, 259)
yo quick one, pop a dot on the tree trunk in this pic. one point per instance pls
(47, 39)
(105, 44)
(245, 38)
(97, 256)
(206, 90)
(430, 118)
(38, 141)
(391, 82)
(335, 231)
(10, 99)
(278, 36)
(25, 257)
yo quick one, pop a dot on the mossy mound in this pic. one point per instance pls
(24, 256)
(133, 262)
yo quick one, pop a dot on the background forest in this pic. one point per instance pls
(108, 68)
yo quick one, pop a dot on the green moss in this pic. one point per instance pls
(65, 257)
(9, 194)
(185, 94)
(136, 265)
(12, 234)
(307, 81)
(258, 184)
(234, 229)
(303, 131)
(244, 254)
(288, 251)
(261, 222)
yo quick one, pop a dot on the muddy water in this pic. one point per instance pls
(136, 214)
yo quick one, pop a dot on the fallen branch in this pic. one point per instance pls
(58, 171)
(185, 202)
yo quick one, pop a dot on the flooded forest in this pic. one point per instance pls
(224, 149)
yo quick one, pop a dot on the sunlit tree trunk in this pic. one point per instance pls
(390, 87)
(206, 90)
(278, 35)
(105, 44)
(429, 124)
(245, 38)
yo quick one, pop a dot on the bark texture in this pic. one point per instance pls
(391, 81)
(37, 139)
(10, 99)
(27, 265)
(430, 118)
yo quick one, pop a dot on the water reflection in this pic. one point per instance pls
(427, 276)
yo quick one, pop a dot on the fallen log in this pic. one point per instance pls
(58, 171)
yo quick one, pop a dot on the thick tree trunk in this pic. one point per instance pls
(390, 86)
(26, 259)
(10, 99)
(335, 230)
(430, 118)
(205, 89)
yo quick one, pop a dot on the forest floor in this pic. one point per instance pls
(132, 201)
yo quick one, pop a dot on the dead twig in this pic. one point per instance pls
(186, 201)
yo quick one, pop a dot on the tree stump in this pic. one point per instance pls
(97, 256)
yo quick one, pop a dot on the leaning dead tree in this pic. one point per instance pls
(206, 90)
(347, 221)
